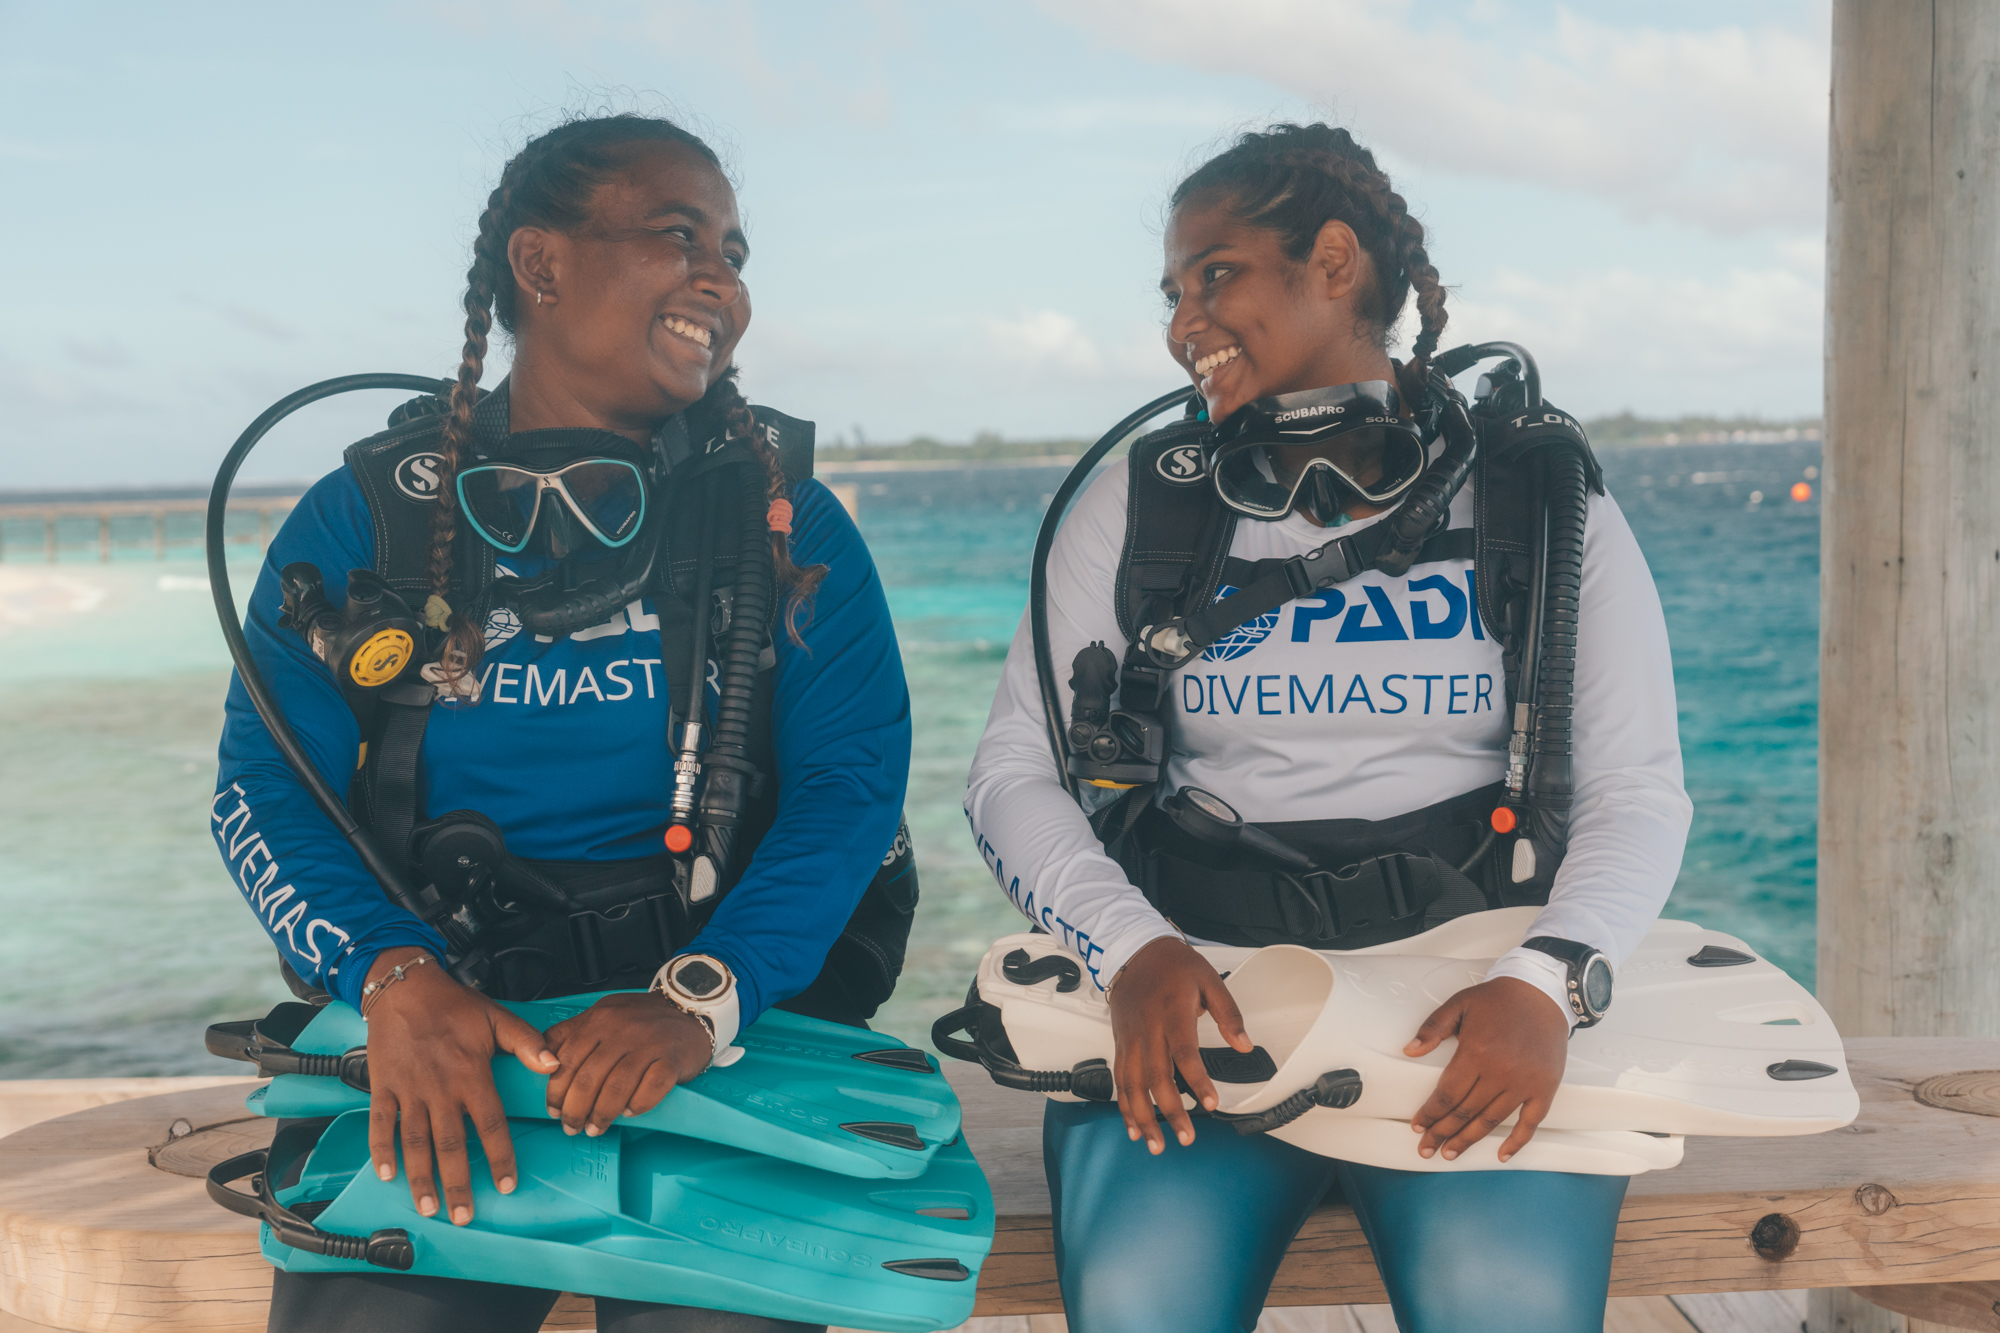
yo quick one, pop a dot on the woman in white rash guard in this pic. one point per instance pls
(1288, 261)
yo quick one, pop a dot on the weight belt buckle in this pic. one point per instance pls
(1377, 891)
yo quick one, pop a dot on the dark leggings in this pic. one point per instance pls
(1192, 1239)
(407, 1303)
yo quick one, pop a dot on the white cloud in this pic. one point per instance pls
(1743, 340)
(1724, 128)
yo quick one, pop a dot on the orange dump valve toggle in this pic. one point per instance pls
(679, 838)
(1503, 820)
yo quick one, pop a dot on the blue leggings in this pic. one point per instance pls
(1191, 1239)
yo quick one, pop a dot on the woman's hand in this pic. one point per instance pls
(1155, 1000)
(431, 1044)
(621, 1056)
(1512, 1043)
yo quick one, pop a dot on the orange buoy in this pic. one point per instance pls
(1801, 491)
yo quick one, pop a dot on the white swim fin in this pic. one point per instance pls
(1703, 1037)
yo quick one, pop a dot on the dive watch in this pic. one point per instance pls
(702, 984)
(1589, 982)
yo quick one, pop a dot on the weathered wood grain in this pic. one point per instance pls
(1962, 1305)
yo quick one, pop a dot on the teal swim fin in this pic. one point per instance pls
(822, 1094)
(642, 1216)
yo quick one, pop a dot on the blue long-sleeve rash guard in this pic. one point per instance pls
(566, 750)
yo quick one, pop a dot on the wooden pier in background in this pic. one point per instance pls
(269, 511)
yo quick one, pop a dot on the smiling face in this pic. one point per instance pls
(641, 307)
(1249, 321)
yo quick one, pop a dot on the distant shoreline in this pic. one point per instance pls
(932, 456)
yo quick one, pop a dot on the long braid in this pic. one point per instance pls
(727, 405)
(1293, 179)
(465, 643)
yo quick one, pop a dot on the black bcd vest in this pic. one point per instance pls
(639, 911)
(1385, 879)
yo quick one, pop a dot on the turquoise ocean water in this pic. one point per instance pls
(123, 937)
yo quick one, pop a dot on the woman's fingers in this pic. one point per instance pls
(616, 1093)
(652, 1089)
(580, 1101)
(1184, 1055)
(1133, 1103)
(1167, 1096)
(518, 1036)
(1443, 1022)
(574, 1053)
(1475, 1123)
(417, 1163)
(1228, 1018)
(489, 1119)
(1532, 1113)
(382, 1133)
(454, 1171)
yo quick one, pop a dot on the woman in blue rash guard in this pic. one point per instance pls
(554, 531)
(1288, 260)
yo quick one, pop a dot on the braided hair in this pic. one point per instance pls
(549, 183)
(1293, 180)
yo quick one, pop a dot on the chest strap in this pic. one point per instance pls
(1272, 583)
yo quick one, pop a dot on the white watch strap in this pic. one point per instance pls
(725, 1017)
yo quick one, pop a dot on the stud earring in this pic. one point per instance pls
(538, 296)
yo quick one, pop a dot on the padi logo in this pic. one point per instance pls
(1181, 464)
(418, 476)
(1241, 639)
(1546, 419)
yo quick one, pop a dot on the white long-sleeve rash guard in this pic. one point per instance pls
(1372, 699)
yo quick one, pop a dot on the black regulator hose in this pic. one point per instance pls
(726, 795)
(1548, 790)
(393, 878)
(1423, 510)
(1038, 568)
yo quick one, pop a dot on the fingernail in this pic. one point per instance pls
(1451, 1154)
(592, 1131)
(506, 1185)
(460, 1215)
(1185, 1138)
(386, 1172)
(625, 1114)
(569, 1131)
(555, 1113)
(1424, 1152)
(1415, 1128)
(427, 1205)
(1132, 1134)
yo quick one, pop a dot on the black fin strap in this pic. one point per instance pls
(390, 1247)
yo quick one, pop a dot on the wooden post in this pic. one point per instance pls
(104, 537)
(159, 534)
(49, 535)
(1909, 754)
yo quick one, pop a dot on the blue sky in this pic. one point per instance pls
(954, 208)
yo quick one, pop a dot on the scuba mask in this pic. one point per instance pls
(585, 500)
(542, 494)
(1252, 479)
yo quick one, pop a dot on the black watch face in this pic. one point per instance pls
(698, 979)
(1597, 984)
